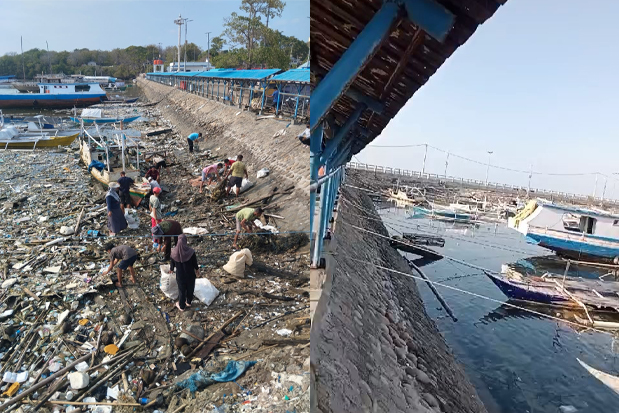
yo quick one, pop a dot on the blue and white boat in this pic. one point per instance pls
(54, 95)
(95, 116)
(582, 234)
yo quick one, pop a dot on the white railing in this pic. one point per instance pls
(473, 182)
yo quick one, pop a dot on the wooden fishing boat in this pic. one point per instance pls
(557, 290)
(11, 138)
(579, 233)
(101, 121)
(92, 150)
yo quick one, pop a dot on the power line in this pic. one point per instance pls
(490, 165)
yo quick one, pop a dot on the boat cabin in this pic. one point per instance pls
(70, 88)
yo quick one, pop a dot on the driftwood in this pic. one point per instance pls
(212, 335)
(257, 265)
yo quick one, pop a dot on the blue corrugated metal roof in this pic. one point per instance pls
(227, 74)
(241, 74)
(294, 75)
(7, 77)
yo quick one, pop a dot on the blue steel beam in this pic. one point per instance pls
(432, 17)
(333, 143)
(372, 104)
(342, 74)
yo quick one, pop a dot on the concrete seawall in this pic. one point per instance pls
(230, 131)
(374, 349)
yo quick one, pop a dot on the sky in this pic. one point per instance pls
(537, 84)
(105, 25)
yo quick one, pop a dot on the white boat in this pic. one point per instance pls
(583, 234)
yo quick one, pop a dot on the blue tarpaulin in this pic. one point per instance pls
(97, 165)
(233, 370)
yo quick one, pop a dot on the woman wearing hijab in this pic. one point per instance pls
(116, 218)
(183, 258)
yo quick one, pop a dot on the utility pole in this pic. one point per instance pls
(595, 185)
(159, 44)
(208, 47)
(178, 22)
(49, 60)
(529, 182)
(185, 52)
(445, 172)
(486, 180)
(424, 162)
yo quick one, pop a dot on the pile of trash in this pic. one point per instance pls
(71, 340)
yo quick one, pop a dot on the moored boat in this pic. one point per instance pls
(56, 95)
(12, 138)
(94, 116)
(582, 234)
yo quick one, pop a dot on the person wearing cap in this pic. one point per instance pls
(154, 184)
(116, 217)
(124, 183)
(245, 220)
(155, 207)
(125, 257)
(166, 229)
(210, 173)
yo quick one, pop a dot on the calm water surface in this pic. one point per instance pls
(519, 362)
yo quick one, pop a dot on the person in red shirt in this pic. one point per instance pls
(153, 173)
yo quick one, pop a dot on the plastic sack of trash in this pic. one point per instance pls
(131, 216)
(205, 291)
(237, 262)
(262, 173)
(168, 282)
(245, 185)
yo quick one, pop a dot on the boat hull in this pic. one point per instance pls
(52, 142)
(41, 100)
(582, 249)
(104, 121)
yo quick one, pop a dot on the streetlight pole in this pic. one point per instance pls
(208, 47)
(529, 181)
(486, 180)
(185, 52)
(595, 185)
(179, 22)
(445, 172)
(424, 162)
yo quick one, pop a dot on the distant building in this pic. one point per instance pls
(191, 66)
(91, 63)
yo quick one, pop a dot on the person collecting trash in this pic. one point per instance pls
(125, 257)
(116, 217)
(245, 220)
(183, 259)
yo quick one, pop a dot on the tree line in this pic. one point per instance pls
(247, 42)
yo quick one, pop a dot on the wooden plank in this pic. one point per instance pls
(213, 341)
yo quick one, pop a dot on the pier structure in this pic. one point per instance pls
(247, 89)
(374, 56)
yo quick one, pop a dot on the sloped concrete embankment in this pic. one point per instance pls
(230, 131)
(374, 349)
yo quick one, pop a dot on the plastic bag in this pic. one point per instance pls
(131, 216)
(205, 291)
(262, 173)
(245, 185)
(168, 282)
(237, 262)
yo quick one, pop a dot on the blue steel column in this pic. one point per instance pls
(299, 88)
(337, 80)
(279, 86)
(318, 242)
(262, 103)
(316, 140)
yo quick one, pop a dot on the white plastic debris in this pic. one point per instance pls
(205, 291)
(262, 173)
(113, 392)
(8, 283)
(195, 231)
(10, 377)
(66, 230)
(83, 366)
(285, 332)
(78, 380)
(133, 221)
